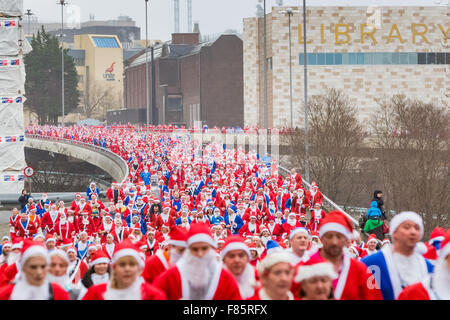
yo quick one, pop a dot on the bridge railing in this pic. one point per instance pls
(327, 200)
(111, 155)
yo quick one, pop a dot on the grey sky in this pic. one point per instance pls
(214, 16)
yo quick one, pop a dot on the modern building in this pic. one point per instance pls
(367, 52)
(193, 81)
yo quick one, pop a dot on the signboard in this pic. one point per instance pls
(29, 172)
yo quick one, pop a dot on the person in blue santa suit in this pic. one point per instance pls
(400, 265)
(145, 176)
(233, 221)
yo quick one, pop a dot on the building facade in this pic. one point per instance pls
(366, 52)
(193, 81)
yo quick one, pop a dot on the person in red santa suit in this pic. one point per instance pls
(34, 218)
(353, 276)
(435, 286)
(163, 218)
(119, 232)
(291, 223)
(276, 274)
(274, 228)
(371, 246)
(109, 246)
(77, 267)
(151, 242)
(314, 195)
(254, 255)
(252, 210)
(76, 203)
(105, 228)
(163, 235)
(9, 269)
(12, 223)
(236, 256)
(97, 206)
(198, 275)
(166, 257)
(86, 224)
(316, 279)
(61, 207)
(49, 220)
(125, 282)
(295, 177)
(300, 202)
(24, 227)
(99, 272)
(32, 282)
(136, 235)
(298, 245)
(251, 227)
(64, 230)
(317, 216)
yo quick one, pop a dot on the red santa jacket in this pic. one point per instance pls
(160, 221)
(317, 198)
(417, 291)
(104, 229)
(110, 194)
(8, 274)
(173, 282)
(109, 249)
(154, 266)
(274, 230)
(26, 231)
(89, 227)
(245, 230)
(58, 292)
(47, 223)
(148, 292)
(64, 231)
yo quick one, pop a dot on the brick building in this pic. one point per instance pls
(193, 81)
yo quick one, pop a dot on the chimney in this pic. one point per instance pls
(185, 38)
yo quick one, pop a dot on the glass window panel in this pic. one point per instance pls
(431, 58)
(412, 57)
(360, 58)
(330, 58)
(321, 58)
(440, 58)
(387, 58)
(368, 58)
(301, 59)
(403, 58)
(312, 58)
(422, 58)
(353, 58)
(377, 58)
(447, 58)
(338, 58)
(395, 58)
(345, 58)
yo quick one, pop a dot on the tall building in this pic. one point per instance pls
(193, 81)
(367, 52)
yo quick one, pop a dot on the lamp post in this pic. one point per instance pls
(62, 3)
(305, 67)
(265, 71)
(146, 66)
(289, 12)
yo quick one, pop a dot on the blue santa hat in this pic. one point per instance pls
(233, 208)
(273, 246)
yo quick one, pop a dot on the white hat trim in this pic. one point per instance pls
(72, 250)
(201, 237)
(99, 260)
(445, 251)
(272, 259)
(50, 239)
(372, 240)
(320, 269)
(7, 245)
(179, 243)
(298, 230)
(333, 226)
(439, 238)
(398, 219)
(33, 251)
(127, 253)
(235, 246)
(60, 253)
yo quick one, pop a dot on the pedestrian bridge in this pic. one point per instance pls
(113, 164)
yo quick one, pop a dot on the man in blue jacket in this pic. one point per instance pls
(233, 221)
(399, 266)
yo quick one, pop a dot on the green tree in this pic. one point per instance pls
(43, 82)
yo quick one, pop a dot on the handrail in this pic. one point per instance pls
(328, 200)
(93, 147)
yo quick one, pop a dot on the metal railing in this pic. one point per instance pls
(111, 155)
(326, 199)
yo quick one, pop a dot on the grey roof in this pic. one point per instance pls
(76, 54)
(127, 54)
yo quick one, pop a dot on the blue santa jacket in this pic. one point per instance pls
(179, 222)
(237, 220)
(382, 266)
(145, 176)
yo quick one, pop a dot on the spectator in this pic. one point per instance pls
(378, 197)
(23, 199)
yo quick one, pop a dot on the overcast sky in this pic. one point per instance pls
(214, 16)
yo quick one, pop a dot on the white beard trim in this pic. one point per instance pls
(199, 270)
(441, 279)
(247, 282)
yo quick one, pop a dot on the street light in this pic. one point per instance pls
(62, 3)
(305, 66)
(289, 12)
(146, 65)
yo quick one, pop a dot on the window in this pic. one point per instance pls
(353, 59)
(368, 58)
(338, 58)
(174, 104)
(345, 58)
(387, 58)
(312, 58)
(301, 59)
(431, 58)
(440, 58)
(105, 42)
(321, 58)
(330, 58)
(422, 58)
(403, 58)
(412, 58)
(360, 58)
(269, 63)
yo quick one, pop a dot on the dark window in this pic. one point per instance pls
(312, 58)
(440, 58)
(422, 58)
(338, 58)
(330, 59)
(174, 104)
(447, 58)
(431, 58)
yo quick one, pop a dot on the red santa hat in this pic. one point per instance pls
(49, 237)
(199, 232)
(6, 244)
(252, 247)
(372, 238)
(438, 234)
(91, 247)
(126, 249)
(430, 252)
(338, 222)
(60, 253)
(98, 256)
(315, 267)
(398, 219)
(298, 230)
(66, 243)
(31, 249)
(178, 237)
(72, 249)
(235, 242)
(272, 258)
(137, 226)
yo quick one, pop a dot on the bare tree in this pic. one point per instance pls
(334, 136)
(98, 98)
(413, 138)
